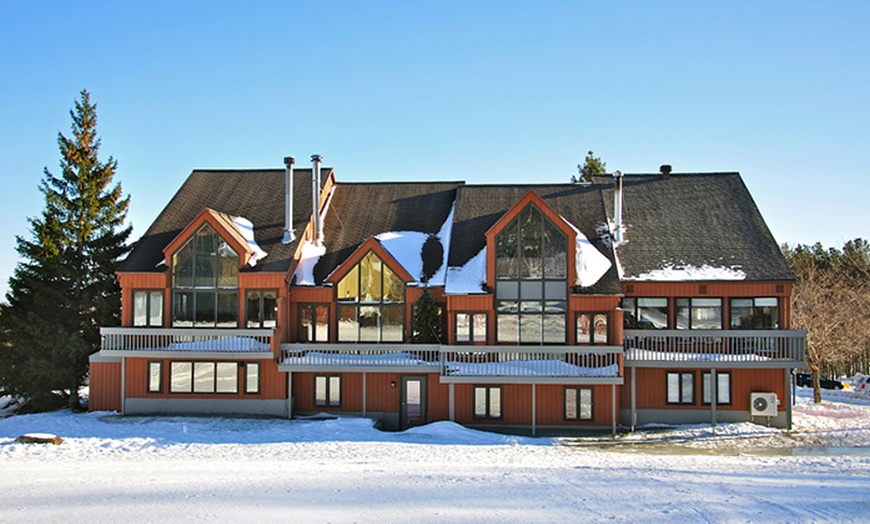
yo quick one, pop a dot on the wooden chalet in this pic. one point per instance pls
(629, 300)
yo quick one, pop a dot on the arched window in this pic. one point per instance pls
(531, 288)
(205, 282)
(371, 303)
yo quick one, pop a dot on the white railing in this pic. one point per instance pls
(301, 356)
(136, 339)
(744, 346)
(526, 361)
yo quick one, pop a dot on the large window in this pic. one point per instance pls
(205, 281)
(531, 265)
(261, 309)
(148, 308)
(723, 387)
(645, 313)
(471, 328)
(681, 387)
(313, 323)
(755, 313)
(327, 391)
(591, 328)
(699, 313)
(371, 303)
(487, 402)
(203, 377)
(578, 403)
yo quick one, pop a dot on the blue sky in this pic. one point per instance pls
(479, 91)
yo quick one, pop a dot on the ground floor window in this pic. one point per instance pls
(578, 403)
(327, 390)
(203, 377)
(471, 328)
(681, 387)
(487, 402)
(252, 377)
(723, 388)
(155, 377)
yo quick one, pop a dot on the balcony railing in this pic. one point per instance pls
(747, 348)
(310, 357)
(135, 340)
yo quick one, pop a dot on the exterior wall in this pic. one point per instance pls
(105, 386)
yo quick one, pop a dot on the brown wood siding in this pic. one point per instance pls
(105, 379)
(135, 281)
(273, 384)
(652, 387)
(516, 404)
(550, 406)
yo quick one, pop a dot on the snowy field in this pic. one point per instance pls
(140, 469)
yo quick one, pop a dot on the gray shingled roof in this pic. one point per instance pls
(694, 219)
(479, 207)
(362, 210)
(257, 195)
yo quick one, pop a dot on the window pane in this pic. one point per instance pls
(182, 266)
(348, 287)
(479, 327)
(205, 257)
(682, 313)
(321, 324)
(586, 403)
(507, 290)
(252, 309)
(506, 255)
(629, 306)
(369, 321)
(370, 278)
(227, 313)
(334, 391)
(495, 402)
(203, 377)
(205, 309)
(600, 329)
(584, 328)
(392, 323)
(479, 402)
(140, 308)
(155, 309)
(182, 309)
(270, 309)
(688, 394)
(571, 403)
(155, 377)
(557, 290)
(555, 245)
(554, 329)
(532, 290)
(252, 377)
(227, 377)
(228, 269)
(706, 313)
(766, 302)
(319, 391)
(530, 329)
(741, 313)
(394, 288)
(348, 328)
(508, 328)
(723, 391)
(306, 323)
(705, 388)
(767, 317)
(652, 313)
(673, 388)
(181, 377)
(530, 243)
(463, 327)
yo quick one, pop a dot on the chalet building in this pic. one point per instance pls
(635, 299)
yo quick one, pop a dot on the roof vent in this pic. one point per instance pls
(665, 170)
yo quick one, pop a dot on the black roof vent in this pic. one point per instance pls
(665, 170)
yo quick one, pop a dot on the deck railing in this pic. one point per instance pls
(301, 356)
(728, 346)
(526, 361)
(126, 339)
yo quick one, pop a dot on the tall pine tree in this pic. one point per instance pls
(65, 286)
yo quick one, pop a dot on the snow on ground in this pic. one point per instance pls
(113, 468)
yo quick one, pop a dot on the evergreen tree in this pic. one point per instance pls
(426, 321)
(592, 166)
(65, 287)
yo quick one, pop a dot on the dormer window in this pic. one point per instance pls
(531, 288)
(371, 303)
(205, 282)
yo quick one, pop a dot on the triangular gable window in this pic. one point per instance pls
(371, 303)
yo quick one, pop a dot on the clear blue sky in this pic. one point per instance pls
(480, 91)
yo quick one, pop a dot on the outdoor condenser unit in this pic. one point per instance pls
(762, 404)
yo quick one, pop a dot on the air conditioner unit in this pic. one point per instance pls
(762, 404)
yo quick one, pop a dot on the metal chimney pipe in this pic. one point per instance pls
(315, 199)
(617, 206)
(289, 234)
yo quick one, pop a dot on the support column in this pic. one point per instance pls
(364, 393)
(450, 393)
(613, 407)
(633, 421)
(534, 410)
(289, 394)
(714, 394)
(788, 399)
(124, 386)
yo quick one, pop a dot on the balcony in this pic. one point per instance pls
(190, 343)
(463, 364)
(711, 348)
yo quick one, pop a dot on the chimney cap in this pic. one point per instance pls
(289, 161)
(665, 169)
(316, 158)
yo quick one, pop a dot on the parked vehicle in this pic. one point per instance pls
(806, 380)
(861, 385)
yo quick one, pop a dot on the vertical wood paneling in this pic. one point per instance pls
(105, 395)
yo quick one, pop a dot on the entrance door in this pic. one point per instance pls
(413, 402)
